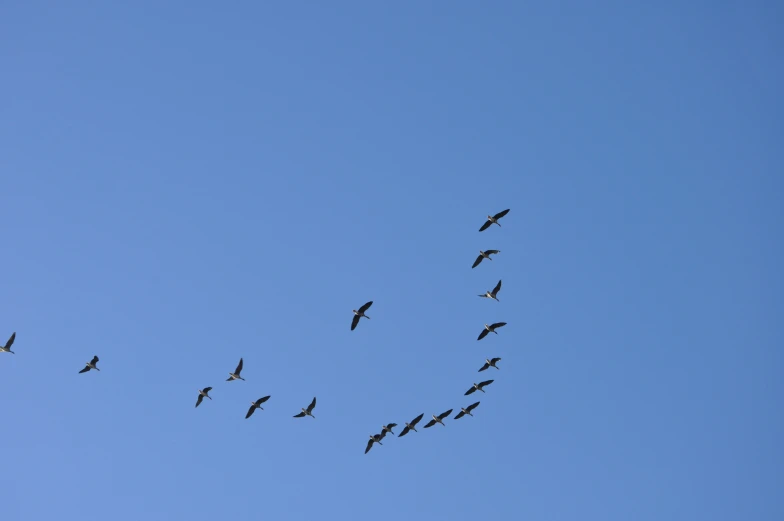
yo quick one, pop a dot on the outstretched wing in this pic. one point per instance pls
(369, 445)
(239, 368)
(486, 382)
(495, 360)
(444, 414)
(430, 424)
(300, 415)
(477, 261)
(403, 432)
(365, 307)
(198, 400)
(390, 426)
(492, 252)
(486, 225)
(472, 406)
(497, 288)
(497, 325)
(94, 360)
(484, 367)
(354, 322)
(86, 368)
(417, 420)
(250, 411)
(483, 334)
(459, 415)
(312, 405)
(262, 400)
(470, 391)
(207, 389)
(501, 214)
(10, 341)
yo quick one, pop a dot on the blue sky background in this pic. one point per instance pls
(189, 183)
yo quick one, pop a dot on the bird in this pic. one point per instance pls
(492, 294)
(478, 387)
(374, 438)
(490, 329)
(358, 313)
(484, 255)
(236, 374)
(437, 419)
(467, 411)
(7, 347)
(493, 220)
(90, 365)
(256, 405)
(306, 412)
(411, 426)
(489, 363)
(202, 394)
(388, 428)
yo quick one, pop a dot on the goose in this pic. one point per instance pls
(478, 387)
(489, 363)
(411, 426)
(7, 347)
(256, 405)
(306, 412)
(202, 394)
(358, 313)
(437, 419)
(490, 329)
(90, 365)
(236, 374)
(467, 411)
(484, 255)
(388, 428)
(492, 294)
(374, 438)
(493, 220)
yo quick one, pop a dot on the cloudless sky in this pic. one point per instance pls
(188, 183)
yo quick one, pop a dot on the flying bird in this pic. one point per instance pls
(374, 438)
(490, 329)
(484, 255)
(202, 394)
(437, 419)
(306, 412)
(493, 220)
(236, 374)
(489, 363)
(478, 387)
(256, 405)
(7, 347)
(467, 410)
(411, 426)
(492, 294)
(358, 313)
(90, 365)
(388, 428)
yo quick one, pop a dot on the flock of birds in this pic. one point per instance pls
(358, 314)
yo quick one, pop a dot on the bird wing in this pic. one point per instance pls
(491, 252)
(483, 334)
(391, 425)
(199, 399)
(230, 378)
(207, 389)
(486, 225)
(379, 437)
(354, 322)
(470, 391)
(250, 411)
(501, 214)
(484, 367)
(94, 360)
(312, 405)
(262, 400)
(444, 414)
(486, 382)
(10, 341)
(86, 368)
(472, 406)
(239, 368)
(459, 415)
(495, 360)
(365, 307)
(300, 415)
(430, 424)
(497, 325)
(404, 431)
(417, 419)
(497, 288)
(369, 445)
(477, 261)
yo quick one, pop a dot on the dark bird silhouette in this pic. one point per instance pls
(493, 220)
(374, 438)
(202, 394)
(358, 313)
(388, 428)
(489, 363)
(467, 410)
(7, 347)
(236, 374)
(437, 419)
(307, 412)
(478, 387)
(90, 365)
(411, 426)
(490, 329)
(492, 294)
(484, 255)
(256, 405)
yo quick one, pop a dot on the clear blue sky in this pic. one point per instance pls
(189, 183)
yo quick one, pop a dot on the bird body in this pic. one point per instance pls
(493, 219)
(7, 347)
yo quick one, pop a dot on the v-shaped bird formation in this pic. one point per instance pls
(373, 439)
